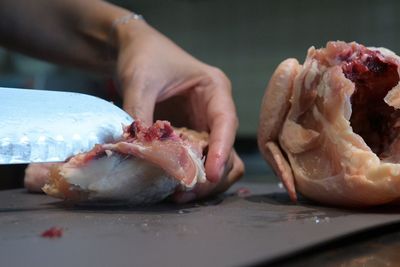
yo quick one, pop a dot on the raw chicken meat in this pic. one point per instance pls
(146, 166)
(330, 128)
(37, 175)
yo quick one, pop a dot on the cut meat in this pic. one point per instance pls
(330, 127)
(145, 166)
(37, 175)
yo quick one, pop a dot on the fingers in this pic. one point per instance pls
(223, 124)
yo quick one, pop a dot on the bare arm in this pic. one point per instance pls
(72, 32)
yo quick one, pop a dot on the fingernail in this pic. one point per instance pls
(185, 197)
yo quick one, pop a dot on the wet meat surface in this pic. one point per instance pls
(330, 127)
(147, 165)
(372, 118)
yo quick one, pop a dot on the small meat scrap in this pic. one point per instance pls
(53, 232)
(243, 192)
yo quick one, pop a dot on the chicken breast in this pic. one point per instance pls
(330, 127)
(146, 166)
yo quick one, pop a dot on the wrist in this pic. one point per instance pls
(94, 25)
(126, 29)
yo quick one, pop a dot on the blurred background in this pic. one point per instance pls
(246, 39)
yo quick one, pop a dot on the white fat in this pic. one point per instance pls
(323, 88)
(395, 171)
(200, 172)
(393, 97)
(119, 177)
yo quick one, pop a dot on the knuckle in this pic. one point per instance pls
(220, 78)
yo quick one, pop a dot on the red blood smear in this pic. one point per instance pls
(96, 153)
(53, 232)
(371, 117)
(136, 128)
(160, 130)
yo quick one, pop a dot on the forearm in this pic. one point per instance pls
(73, 32)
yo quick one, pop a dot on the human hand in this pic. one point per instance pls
(161, 81)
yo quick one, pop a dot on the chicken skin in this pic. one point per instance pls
(330, 127)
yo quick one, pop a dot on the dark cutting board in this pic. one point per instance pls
(254, 224)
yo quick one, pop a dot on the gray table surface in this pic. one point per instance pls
(254, 222)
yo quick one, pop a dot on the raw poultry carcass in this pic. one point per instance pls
(147, 165)
(330, 127)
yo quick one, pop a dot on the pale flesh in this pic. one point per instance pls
(147, 165)
(330, 127)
